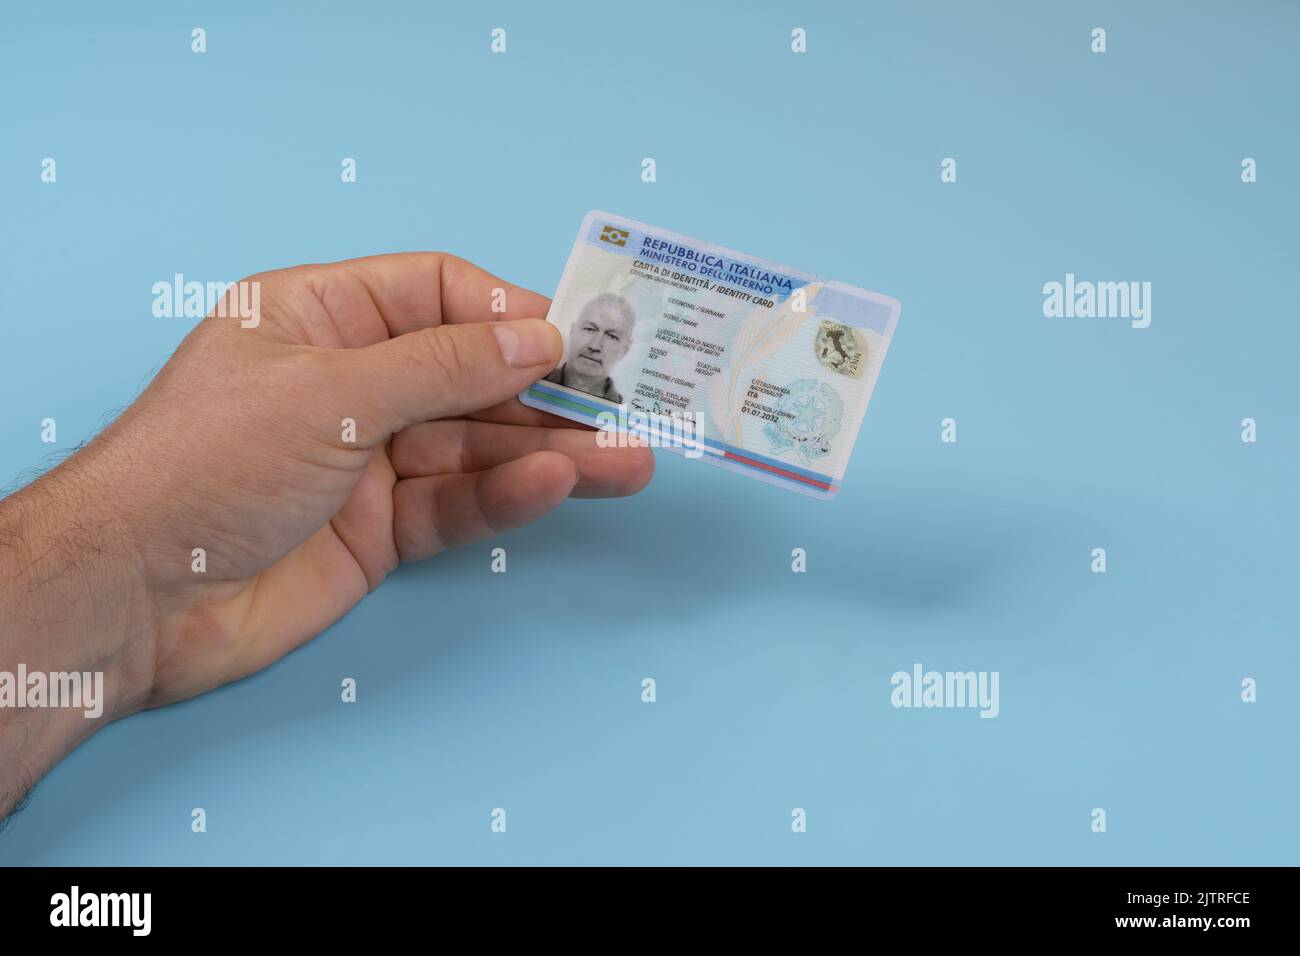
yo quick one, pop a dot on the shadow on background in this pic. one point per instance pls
(926, 553)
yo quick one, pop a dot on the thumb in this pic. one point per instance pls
(443, 371)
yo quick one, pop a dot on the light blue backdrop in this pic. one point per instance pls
(522, 691)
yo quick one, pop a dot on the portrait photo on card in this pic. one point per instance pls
(596, 340)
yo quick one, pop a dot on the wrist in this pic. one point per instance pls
(77, 625)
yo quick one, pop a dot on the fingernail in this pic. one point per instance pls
(527, 342)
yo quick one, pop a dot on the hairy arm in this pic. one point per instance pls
(71, 598)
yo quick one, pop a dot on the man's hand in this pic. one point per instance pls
(240, 447)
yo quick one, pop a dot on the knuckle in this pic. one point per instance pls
(446, 354)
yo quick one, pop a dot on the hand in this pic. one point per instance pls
(240, 447)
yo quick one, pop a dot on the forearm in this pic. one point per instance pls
(72, 602)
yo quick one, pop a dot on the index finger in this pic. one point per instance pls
(417, 290)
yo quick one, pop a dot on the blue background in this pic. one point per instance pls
(522, 690)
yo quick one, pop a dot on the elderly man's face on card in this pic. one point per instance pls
(600, 336)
